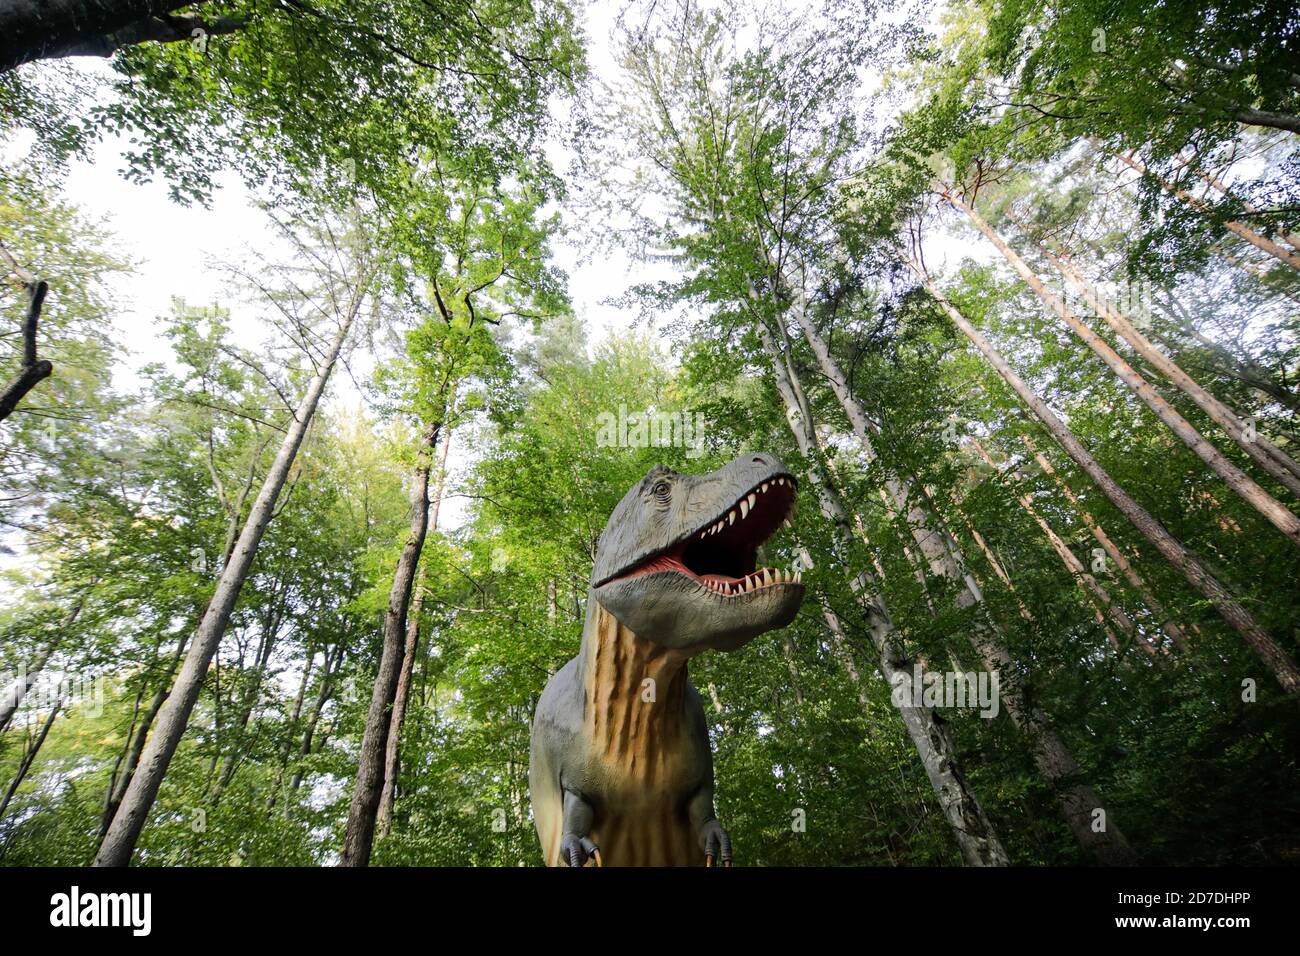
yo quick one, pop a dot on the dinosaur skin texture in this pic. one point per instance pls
(621, 773)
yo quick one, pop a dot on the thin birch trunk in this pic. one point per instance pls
(388, 795)
(929, 732)
(247, 704)
(992, 559)
(1200, 578)
(904, 503)
(28, 759)
(360, 834)
(136, 741)
(295, 715)
(329, 670)
(1241, 367)
(1101, 598)
(119, 841)
(1175, 633)
(1263, 243)
(1269, 457)
(16, 691)
(1278, 514)
(1218, 186)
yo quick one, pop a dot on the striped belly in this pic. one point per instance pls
(647, 836)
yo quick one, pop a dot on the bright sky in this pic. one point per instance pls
(174, 247)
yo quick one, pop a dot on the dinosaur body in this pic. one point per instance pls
(620, 762)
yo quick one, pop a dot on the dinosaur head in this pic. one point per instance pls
(676, 564)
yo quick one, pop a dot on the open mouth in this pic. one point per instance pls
(722, 555)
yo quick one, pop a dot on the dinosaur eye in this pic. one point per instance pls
(661, 490)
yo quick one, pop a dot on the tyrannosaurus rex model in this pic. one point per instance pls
(621, 771)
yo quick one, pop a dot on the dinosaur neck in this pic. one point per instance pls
(634, 692)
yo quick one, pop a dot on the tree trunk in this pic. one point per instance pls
(136, 741)
(360, 834)
(32, 370)
(15, 692)
(929, 732)
(1215, 183)
(1268, 651)
(32, 30)
(1271, 120)
(992, 559)
(1278, 514)
(119, 842)
(392, 750)
(247, 704)
(1101, 598)
(1174, 632)
(328, 672)
(1242, 368)
(1257, 240)
(1269, 457)
(28, 759)
(943, 556)
(295, 715)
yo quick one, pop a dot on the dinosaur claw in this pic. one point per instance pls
(578, 850)
(717, 845)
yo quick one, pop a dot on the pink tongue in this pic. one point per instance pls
(670, 562)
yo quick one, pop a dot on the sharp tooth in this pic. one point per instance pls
(744, 508)
(731, 517)
(786, 522)
(767, 575)
(764, 487)
(798, 577)
(752, 499)
(785, 575)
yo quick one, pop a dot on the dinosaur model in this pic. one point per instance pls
(621, 773)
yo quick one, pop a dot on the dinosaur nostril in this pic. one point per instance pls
(760, 460)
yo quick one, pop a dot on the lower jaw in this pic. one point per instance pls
(725, 585)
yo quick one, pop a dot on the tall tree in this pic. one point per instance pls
(345, 273)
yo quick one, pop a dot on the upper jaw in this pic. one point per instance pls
(719, 552)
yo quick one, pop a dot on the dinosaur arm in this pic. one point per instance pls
(714, 840)
(700, 807)
(576, 846)
(578, 813)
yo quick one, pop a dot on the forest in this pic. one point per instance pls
(1012, 287)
